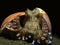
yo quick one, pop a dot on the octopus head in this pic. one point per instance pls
(32, 13)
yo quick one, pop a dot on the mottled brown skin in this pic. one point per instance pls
(32, 25)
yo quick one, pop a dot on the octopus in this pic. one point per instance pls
(36, 23)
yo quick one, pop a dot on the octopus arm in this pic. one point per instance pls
(10, 18)
(45, 16)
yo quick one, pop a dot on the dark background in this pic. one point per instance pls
(10, 7)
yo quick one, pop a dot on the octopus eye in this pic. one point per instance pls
(37, 29)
